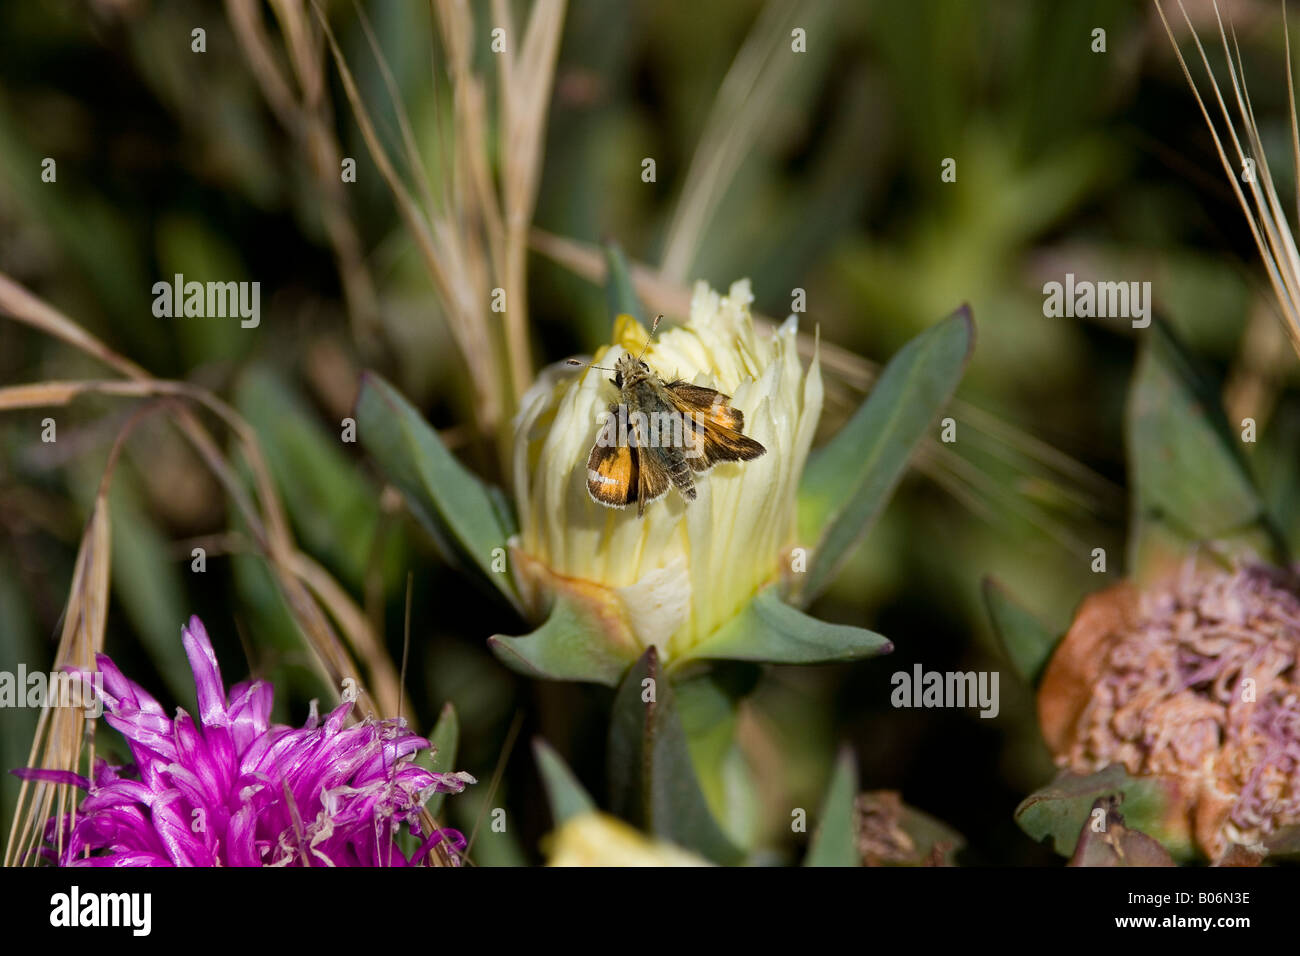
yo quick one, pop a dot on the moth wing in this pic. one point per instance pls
(613, 475)
(709, 403)
(715, 426)
(654, 480)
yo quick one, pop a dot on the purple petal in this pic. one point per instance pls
(207, 675)
(118, 689)
(241, 845)
(120, 793)
(173, 826)
(250, 712)
(326, 793)
(51, 776)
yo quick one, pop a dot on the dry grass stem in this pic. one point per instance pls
(1263, 210)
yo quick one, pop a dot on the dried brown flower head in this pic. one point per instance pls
(890, 833)
(1195, 679)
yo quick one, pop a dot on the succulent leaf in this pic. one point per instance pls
(848, 481)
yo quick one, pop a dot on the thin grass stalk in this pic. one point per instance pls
(524, 91)
(1264, 216)
(308, 118)
(449, 263)
(744, 102)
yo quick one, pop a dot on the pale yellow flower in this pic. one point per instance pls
(674, 576)
(596, 839)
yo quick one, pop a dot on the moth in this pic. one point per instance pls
(661, 434)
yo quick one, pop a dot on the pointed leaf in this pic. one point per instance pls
(834, 842)
(445, 740)
(847, 483)
(566, 795)
(652, 780)
(571, 645)
(1187, 468)
(468, 518)
(1028, 642)
(769, 630)
(1154, 805)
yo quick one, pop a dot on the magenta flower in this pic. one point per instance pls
(241, 791)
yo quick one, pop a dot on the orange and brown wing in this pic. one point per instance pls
(708, 403)
(613, 475)
(715, 425)
(653, 478)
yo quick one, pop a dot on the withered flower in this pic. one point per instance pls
(1195, 680)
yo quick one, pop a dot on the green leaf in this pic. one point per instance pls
(566, 795)
(571, 645)
(188, 245)
(1152, 805)
(1028, 642)
(467, 517)
(619, 288)
(334, 508)
(445, 740)
(847, 482)
(769, 630)
(1187, 469)
(834, 842)
(260, 604)
(652, 779)
(472, 812)
(709, 706)
(148, 581)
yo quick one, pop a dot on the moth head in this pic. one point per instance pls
(629, 369)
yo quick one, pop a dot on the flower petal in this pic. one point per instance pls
(207, 675)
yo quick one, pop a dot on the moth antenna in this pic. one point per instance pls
(604, 368)
(653, 329)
